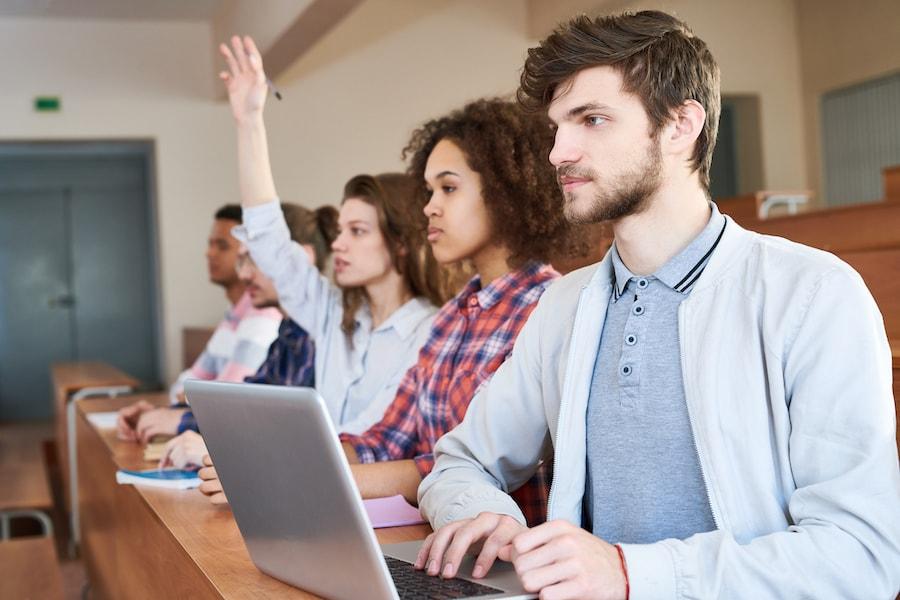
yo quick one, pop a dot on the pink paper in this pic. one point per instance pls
(391, 512)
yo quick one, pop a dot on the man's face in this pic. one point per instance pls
(261, 289)
(608, 164)
(221, 253)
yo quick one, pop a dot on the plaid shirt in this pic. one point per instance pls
(471, 337)
(291, 361)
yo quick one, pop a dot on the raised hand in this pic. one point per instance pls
(245, 79)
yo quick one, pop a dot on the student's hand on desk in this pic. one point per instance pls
(159, 421)
(127, 420)
(211, 486)
(557, 559)
(186, 450)
(245, 79)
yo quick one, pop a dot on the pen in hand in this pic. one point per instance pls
(273, 89)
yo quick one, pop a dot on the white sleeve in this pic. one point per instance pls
(307, 296)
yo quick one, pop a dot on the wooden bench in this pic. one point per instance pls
(29, 570)
(25, 491)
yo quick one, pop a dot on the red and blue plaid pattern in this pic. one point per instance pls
(471, 337)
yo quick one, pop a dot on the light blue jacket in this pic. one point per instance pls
(787, 377)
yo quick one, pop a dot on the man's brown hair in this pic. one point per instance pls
(659, 58)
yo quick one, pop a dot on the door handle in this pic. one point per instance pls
(62, 301)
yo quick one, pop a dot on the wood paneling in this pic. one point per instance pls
(870, 226)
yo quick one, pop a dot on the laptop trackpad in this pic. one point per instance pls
(502, 575)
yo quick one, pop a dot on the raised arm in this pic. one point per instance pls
(245, 81)
(306, 295)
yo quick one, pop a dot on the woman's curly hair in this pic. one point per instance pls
(509, 148)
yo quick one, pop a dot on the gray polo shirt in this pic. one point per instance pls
(644, 482)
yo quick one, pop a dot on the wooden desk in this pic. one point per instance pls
(142, 542)
(29, 569)
(68, 378)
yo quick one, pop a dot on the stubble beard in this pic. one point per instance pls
(628, 194)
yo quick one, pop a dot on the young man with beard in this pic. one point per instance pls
(718, 403)
(235, 350)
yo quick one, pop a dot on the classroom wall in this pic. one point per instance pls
(135, 80)
(152, 80)
(351, 103)
(842, 43)
(755, 44)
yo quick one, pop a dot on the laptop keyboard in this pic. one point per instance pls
(415, 585)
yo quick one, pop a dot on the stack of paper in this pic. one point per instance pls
(103, 420)
(391, 512)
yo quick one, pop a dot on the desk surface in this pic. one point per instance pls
(207, 534)
(70, 377)
(895, 352)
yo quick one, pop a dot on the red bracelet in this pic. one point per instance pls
(624, 571)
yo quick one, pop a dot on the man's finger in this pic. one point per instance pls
(439, 544)
(468, 534)
(556, 549)
(565, 590)
(540, 535)
(538, 580)
(424, 549)
(207, 473)
(493, 547)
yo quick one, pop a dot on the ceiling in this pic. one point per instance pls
(163, 10)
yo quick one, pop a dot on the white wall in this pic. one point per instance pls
(351, 103)
(128, 80)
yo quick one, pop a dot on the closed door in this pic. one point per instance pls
(35, 299)
(77, 273)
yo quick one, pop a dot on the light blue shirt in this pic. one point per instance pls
(358, 377)
(644, 482)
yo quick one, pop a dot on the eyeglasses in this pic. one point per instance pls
(244, 262)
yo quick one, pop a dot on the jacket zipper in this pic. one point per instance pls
(712, 508)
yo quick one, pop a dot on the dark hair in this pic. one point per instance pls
(317, 228)
(403, 226)
(230, 212)
(508, 148)
(659, 58)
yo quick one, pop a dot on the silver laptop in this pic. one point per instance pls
(296, 504)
